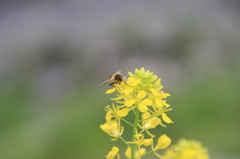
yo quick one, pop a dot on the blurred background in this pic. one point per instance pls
(55, 53)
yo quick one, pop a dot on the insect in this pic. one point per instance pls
(114, 79)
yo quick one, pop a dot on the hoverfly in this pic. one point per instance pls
(116, 78)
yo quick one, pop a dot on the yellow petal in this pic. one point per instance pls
(137, 136)
(165, 95)
(147, 101)
(103, 126)
(158, 102)
(139, 142)
(112, 153)
(166, 118)
(142, 151)
(117, 98)
(129, 103)
(163, 142)
(123, 112)
(155, 105)
(115, 150)
(128, 90)
(164, 103)
(153, 122)
(142, 107)
(128, 152)
(108, 116)
(131, 80)
(157, 82)
(154, 92)
(120, 102)
(141, 94)
(147, 142)
(111, 90)
(146, 115)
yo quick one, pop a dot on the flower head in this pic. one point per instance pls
(142, 90)
(140, 95)
(187, 149)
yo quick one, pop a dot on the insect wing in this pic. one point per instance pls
(119, 71)
(105, 82)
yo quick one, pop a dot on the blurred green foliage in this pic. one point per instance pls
(207, 110)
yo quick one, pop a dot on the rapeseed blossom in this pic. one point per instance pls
(143, 91)
(112, 129)
(187, 149)
(139, 95)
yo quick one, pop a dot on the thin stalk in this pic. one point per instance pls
(127, 122)
(124, 141)
(134, 133)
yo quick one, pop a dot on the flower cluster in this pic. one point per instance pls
(140, 95)
(187, 149)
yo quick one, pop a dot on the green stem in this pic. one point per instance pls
(134, 133)
(142, 131)
(154, 153)
(127, 122)
(159, 155)
(124, 141)
(147, 153)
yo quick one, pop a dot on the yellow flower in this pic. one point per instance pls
(116, 112)
(141, 141)
(140, 94)
(113, 129)
(133, 81)
(163, 142)
(187, 149)
(161, 112)
(130, 102)
(144, 102)
(138, 153)
(149, 122)
(141, 90)
(111, 154)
